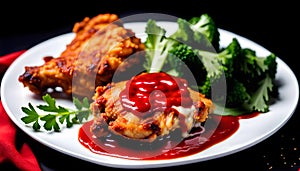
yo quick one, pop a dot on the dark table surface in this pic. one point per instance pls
(272, 25)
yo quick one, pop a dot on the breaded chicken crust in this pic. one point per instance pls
(99, 47)
(110, 116)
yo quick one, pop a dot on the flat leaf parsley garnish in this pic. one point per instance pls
(54, 116)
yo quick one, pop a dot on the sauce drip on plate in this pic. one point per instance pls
(216, 129)
(149, 93)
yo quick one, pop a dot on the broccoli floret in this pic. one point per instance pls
(169, 53)
(237, 93)
(206, 66)
(187, 53)
(219, 66)
(255, 67)
(250, 82)
(228, 55)
(188, 64)
(249, 78)
(260, 73)
(157, 47)
(270, 61)
(206, 25)
(260, 98)
(199, 32)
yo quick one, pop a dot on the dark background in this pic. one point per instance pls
(273, 25)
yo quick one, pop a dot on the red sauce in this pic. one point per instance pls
(216, 129)
(147, 93)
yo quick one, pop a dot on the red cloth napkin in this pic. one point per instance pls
(23, 158)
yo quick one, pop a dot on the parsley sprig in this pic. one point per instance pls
(53, 114)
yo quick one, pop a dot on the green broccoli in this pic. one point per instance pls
(254, 67)
(237, 93)
(157, 48)
(206, 25)
(188, 53)
(198, 32)
(249, 78)
(163, 52)
(219, 62)
(260, 73)
(185, 57)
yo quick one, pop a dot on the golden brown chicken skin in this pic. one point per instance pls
(111, 116)
(98, 49)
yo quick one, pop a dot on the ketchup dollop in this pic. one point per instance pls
(152, 92)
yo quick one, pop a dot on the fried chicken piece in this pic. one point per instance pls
(111, 116)
(100, 47)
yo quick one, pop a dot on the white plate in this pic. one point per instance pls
(251, 131)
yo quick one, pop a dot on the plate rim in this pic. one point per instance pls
(153, 164)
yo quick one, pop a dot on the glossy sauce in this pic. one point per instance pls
(217, 129)
(148, 93)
